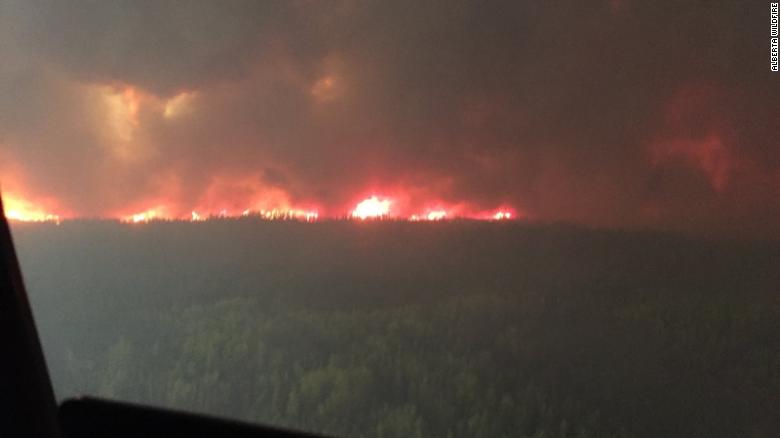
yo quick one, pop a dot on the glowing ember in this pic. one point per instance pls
(196, 217)
(372, 208)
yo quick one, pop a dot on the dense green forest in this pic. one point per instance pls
(395, 329)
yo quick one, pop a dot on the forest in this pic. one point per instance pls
(396, 329)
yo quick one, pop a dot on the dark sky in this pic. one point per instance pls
(607, 113)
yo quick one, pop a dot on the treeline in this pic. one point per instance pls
(415, 330)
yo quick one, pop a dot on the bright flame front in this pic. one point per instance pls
(286, 214)
(372, 208)
(21, 210)
(502, 215)
(433, 215)
(437, 215)
(143, 217)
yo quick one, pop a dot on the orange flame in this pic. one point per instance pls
(165, 208)
(143, 217)
(22, 210)
(372, 208)
(502, 215)
(433, 215)
(289, 214)
(437, 215)
(160, 214)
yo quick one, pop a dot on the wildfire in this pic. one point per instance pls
(502, 215)
(143, 217)
(292, 214)
(437, 215)
(434, 215)
(21, 210)
(158, 214)
(372, 208)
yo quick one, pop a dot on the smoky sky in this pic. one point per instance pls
(607, 113)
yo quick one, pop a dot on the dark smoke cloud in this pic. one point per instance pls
(613, 113)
